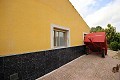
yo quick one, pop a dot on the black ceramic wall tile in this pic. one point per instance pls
(34, 65)
(12, 65)
(1, 68)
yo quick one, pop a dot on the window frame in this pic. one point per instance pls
(67, 31)
(57, 38)
(84, 36)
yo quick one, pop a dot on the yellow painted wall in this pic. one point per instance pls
(25, 24)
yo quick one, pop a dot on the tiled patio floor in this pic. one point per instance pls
(87, 67)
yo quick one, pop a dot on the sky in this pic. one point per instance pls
(99, 12)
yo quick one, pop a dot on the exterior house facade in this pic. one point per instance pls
(38, 36)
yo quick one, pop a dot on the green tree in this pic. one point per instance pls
(117, 37)
(97, 29)
(114, 45)
(110, 33)
(93, 29)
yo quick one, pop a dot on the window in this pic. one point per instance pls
(60, 37)
(84, 34)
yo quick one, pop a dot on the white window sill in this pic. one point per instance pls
(60, 47)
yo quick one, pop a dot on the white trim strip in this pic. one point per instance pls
(36, 51)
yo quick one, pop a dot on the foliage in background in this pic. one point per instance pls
(114, 45)
(110, 33)
(97, 29)
(113, 37)
(119, 46)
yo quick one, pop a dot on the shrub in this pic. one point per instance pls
(114, 46)
(119, 46)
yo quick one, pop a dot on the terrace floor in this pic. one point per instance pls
(87, 67)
